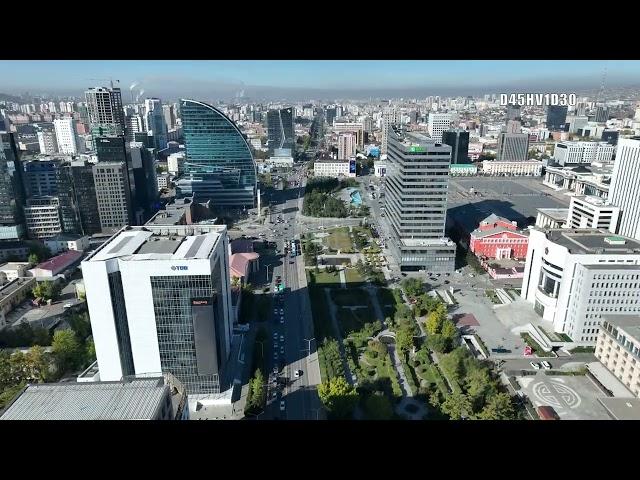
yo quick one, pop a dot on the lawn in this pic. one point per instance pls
(352, 276)
(323, 277)
(387, 301)
(493, 297)
(339, 239)
(352, 321)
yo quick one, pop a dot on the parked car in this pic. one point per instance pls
(297, 373)
(546, 365)
(535, 365)
(282, 406)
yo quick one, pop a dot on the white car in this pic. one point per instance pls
(275, 336)
(297, 373)
(281, 319)
(282, 311)
(546, 365)
(282, 407)
(282, 338)
(535, 365)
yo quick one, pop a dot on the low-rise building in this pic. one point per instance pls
(334, 168)
(164, 179)
(529, 168)
(575, 277)
(618, 349)
(149, 398)
(552, 217)
(18, 250)
(586, 211)
(576, 153)
(498, 238)
(56, 265)
(379, 169)
(593, 181)
(13, 270)
(67, 241)
(463, 169)
(13, 294)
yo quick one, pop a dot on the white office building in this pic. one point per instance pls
(47, 142)
(438, 123)
(530, 168)
(353, 127)
(159, 300)
(347, 143)
(574, 277)
(625, 186)
(334, 168)
(587, 211)
(175, 163)
(577, 153)
(65, 135)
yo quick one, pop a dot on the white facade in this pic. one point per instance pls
(163, 180)
(47, 142)
(13, 270)
(65, 135)
(528, 168)
(354, 127)
(625, 186)
(380, 169)
(575, 153)
(592, 212)
(175, 162)
(438, 123)
(63, 243)
(118, 281)
(332, 169)
(573, 277)
(347, 143)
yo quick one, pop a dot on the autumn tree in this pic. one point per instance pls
(338, 397)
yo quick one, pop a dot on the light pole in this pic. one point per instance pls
(317, 410)
(309, 340)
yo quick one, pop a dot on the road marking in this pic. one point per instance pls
(556, 394)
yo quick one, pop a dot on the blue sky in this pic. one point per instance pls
(67, 75)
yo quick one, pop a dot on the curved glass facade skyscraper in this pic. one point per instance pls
(219, 165)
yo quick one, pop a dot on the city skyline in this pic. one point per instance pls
(301, 79)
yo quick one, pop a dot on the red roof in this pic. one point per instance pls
(239, 264)
(60, 262)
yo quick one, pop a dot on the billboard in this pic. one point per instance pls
(352, 166)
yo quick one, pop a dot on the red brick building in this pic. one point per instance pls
(497, 238)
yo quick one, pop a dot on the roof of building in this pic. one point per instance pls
(65, 237)
(622, 408)
(12, 245)
(13, 286)
(137, 399)
(587, 241)
(239, 263)
(629, 323)
(60, 262)
(155, 242)
(496, 231)
(493, 218)
(12, 266)
(558, 214)
(241, 245)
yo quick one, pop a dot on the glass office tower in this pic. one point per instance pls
(219, 165)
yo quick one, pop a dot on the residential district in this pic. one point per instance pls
(436, 258)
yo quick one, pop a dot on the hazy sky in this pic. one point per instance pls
(313, 78)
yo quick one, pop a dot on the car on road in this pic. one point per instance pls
(297, 373)
(275, 345)
(281, 319)
(546, 365)
(282, 338)
(282, 405)
(275, 335)
(275, 311)
(275, 355)
(282, 311)
(536, 366)
(282, 350)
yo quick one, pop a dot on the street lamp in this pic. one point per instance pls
(317, 410)
(309, 340)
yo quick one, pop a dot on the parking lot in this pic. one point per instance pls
(572, 397)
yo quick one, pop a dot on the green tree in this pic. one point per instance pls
(478, 382)
(412, 287)
(499, 407)
(426, 304)
(404, 339)
(33, 259)
(378, 407)
(338, 397)
(449, 330)
(437, 343)
(457, 406)
(257, 385)
(434, 323)
(46, 290)
(80, 324)
(37, 364)
(67, 351)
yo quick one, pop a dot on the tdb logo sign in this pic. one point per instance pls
(179, 267)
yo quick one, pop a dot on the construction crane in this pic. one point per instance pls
(101, 79)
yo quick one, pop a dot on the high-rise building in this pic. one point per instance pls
(346, 145)
(610, 136)
(353, 127)
(330, 115)
(135, 124)
(575, 153)
(77, 196)
(602, 114)
(625, 186)
(12, 193)
(104, 108)
(113, 194)
(438, 123)
(417, 180)
(66, 135)
(513, 147)
(42, 217)
(574, 277)
(159, 300)
(556, 117)
(47, 141)
(156, 125)
(514, 126)
(280, 129)
(40, 177)
(169, 116)
(458, 140)
(144, 174)
(219, 165)
(513, 112)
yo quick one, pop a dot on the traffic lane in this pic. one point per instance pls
(524, 363)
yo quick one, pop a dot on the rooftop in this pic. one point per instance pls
(157, 242)
(13, 286)
(588, 241)
(60, 262)
(558, 214)
(64, 237)
(138, 399)
(622, 408)
(424, 242)
(629, 323)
